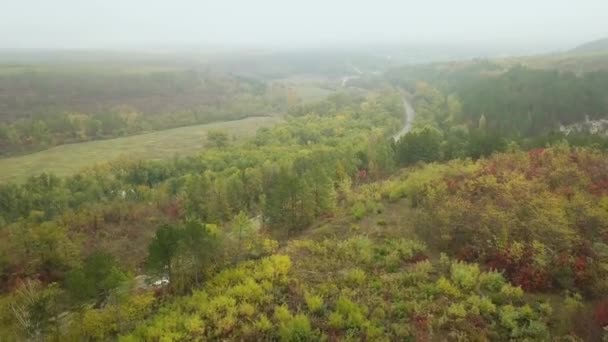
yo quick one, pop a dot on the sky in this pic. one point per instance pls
(140, 23)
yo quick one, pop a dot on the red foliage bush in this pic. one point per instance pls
(601, 313)
(174, 209)
(421, 324)
(599, 188)
(520, 269)
(362, 175)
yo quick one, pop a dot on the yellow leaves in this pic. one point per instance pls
(282, 263)
(313, 302)
(341, 117)
(270, 246)
(464, 275)
(355, 277)
(221, 306)
(336, 320)
(510, 292)
(99, 324)
(103, 323)
(225, 325)
(137, 307)
(226, 306)
(447, 288)
(248, 290)
(194, 325)
(282, 313)
(480, 305)
(263, 324)
(457, 310)
(247, 310)
(491, 281)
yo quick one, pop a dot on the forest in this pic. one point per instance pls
(516, 100)
(483, 222)
(54, 105)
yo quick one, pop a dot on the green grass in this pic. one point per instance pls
(67, 159)
(310, 88)
(312, 93)
(575, 62)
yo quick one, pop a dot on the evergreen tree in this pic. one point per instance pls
(163, 249)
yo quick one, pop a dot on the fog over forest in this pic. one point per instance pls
(519, 24)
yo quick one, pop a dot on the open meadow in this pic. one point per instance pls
(66, 159)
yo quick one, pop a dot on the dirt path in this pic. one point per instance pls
(410, 115)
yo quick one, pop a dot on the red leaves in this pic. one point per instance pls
(490, 169)
(601, 313)
(531, 278)
(535, 154)
(521, 269)
(421, 324)
(174, 209)
(600, 187)
(362, 175)
(468, 254)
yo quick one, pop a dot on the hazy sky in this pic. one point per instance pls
(137, 23)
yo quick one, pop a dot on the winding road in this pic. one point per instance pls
(408, 111)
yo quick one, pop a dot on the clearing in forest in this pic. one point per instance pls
(67, 159)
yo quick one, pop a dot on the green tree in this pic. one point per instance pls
(35, 309)
(163, 249)
(419, 145)
(241, 230)
(217, 138)
(198, 244)
(289, 201)
(99, 275)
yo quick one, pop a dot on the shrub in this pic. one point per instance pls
(481, 305)
(354, 315)
(491, 281)
(297, 329)
(378, 314)
(395, 191)
(247, 310)
(418, 273)
(355, 277)
(359, 210)
(313, 302)
(282, 314)
(464, 275)
(510, 293)
(263, 324)
(99, 324)
(336, 320)
(457, 310)
(194, 325)
(447, 288)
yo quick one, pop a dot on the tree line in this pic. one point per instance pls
(41, 109)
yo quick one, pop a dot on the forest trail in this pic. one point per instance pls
(410, 115)
(409, 112)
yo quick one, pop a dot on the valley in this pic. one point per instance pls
(303, 195)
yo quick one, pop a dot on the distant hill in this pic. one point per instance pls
(600, 45)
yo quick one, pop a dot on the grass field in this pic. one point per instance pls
(574, 62)
(67, 159)
(309, 88)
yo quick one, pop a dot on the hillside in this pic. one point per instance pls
(412, 257)
(319, 228)
(600, 45)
